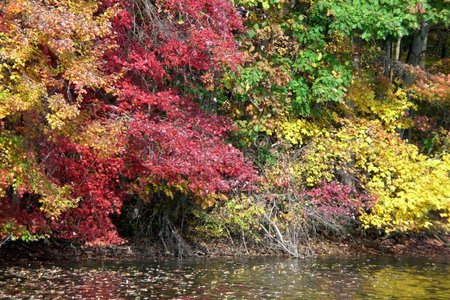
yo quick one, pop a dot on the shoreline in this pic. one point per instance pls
(64, 251)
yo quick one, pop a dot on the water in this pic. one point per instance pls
(219, 278)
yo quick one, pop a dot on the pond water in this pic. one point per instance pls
(219, 278)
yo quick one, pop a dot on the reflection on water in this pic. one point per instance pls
(256, 278)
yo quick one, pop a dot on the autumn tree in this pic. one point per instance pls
(92, 111)
(49, 57)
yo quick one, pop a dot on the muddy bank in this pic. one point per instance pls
(57, 250)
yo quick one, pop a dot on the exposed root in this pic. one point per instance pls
(173, 243)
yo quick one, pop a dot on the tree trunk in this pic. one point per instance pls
(396, 53)
(357, 49)
(388, 57)
(423, 56)
(417, 46)
(445, 45)
(397, 50)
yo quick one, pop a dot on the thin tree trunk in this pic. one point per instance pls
(357, 49)
(388, 58)
(397, 50)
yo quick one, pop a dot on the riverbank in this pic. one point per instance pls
(60, 250)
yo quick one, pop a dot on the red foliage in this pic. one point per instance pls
(23, 212)
(168, 139)
(335, 200)
(96, 181)
(434, 88)
(423, 124)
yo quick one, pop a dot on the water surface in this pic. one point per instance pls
(219, 278)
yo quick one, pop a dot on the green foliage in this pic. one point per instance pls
(294, 68)
(238, 216)
(374, 19)
(17, 231)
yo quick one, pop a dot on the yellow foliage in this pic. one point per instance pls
(25, 95)
(387, 105)
(419, 199)
(297, 131)
(61, 111)
(239, 215)
(211, 199)
(55, 200)
(411, 189)
(45, 50)
(105, 138)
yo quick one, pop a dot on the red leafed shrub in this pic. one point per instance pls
(433, 88)
(22, 217)
(334, 200)
(95, 180)
(169, 139)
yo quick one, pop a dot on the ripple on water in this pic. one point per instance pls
(257, 278)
